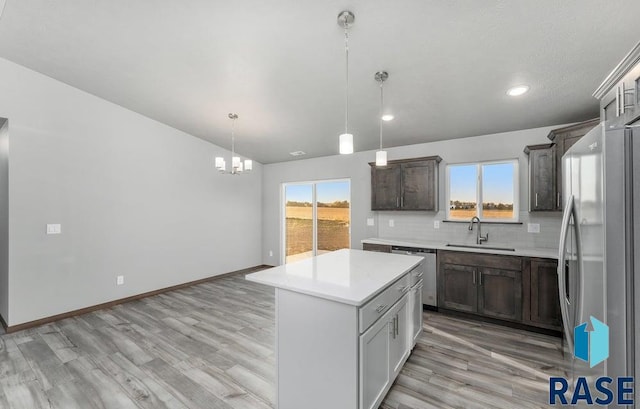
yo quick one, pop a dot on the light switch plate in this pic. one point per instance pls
(120, 280)
(533, 227)
(436, 224)
(370, 221)
(54, 229)
(391, 223)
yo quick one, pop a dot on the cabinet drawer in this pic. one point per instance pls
(416, 274)
(374, 309)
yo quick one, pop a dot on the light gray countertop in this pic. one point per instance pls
(440, 245)
(347, 276)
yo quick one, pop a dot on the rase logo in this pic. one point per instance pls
(592, 347)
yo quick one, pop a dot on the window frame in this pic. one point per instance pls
(479, 210)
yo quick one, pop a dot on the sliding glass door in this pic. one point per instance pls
(317, 218)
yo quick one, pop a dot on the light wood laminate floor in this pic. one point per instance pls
(211, 346)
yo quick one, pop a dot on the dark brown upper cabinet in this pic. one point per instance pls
(619, 93)
(564, 138)
(542, 177)
(545, 166)
(408, 184)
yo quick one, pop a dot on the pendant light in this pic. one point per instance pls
(381, 156)
(237, 165)
(345, 20)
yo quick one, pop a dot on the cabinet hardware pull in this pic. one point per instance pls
(480, 276)
(536, 200)
(558, 200)
(397, 202)
(381, 308)
(402, 201)
(397, 325)
(618, 101)
(626, 92)
(474, 277)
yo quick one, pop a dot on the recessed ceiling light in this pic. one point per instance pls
(297, 153)
(387, 117)
(519, 90)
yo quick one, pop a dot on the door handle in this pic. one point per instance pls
(536, 205)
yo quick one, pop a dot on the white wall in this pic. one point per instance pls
(134, 197)
(419, 225)
(4, 218)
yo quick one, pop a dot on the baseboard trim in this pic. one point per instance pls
(109, 304)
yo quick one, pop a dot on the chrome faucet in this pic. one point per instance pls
(480, 238)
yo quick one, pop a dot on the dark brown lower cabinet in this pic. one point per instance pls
(487, 291)
(458, 289)
(380, 248)
(500, 293)
(542, 295)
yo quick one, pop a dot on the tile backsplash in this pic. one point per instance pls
(409, 225)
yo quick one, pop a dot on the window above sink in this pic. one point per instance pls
(488, 190)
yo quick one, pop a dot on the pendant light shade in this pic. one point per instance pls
(237, 164)
(381, 156)
(346, 144)
(345, 20)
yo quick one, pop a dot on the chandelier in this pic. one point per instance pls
(237, 165)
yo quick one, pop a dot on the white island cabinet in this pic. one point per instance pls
(346, 322)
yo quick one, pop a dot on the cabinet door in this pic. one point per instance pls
(542, 178)
(500, 293)
(375, 370)
(399, 341)
(385, 187)
(457, 288)
(416, 314)
(545, 301)
(419, 186)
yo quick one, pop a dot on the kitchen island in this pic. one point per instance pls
(346, 322)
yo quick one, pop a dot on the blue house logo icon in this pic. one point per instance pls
(592, 346)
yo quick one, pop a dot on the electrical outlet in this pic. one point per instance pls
(120, 280)
(270, 253)
(391, 223)
(54, 229)
(370, 221)
(533, 227)
(436, 224)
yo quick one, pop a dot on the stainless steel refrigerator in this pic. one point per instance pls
(598, 242)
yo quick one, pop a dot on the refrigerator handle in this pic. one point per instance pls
(562, 284)
(579, 303)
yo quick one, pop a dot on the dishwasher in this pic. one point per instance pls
(430, 288)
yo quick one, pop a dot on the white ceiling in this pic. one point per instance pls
(280, 64)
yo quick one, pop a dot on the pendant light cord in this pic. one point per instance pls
(233, 139)
(346, 91)
(380, 116)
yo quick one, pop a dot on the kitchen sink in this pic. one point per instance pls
(470, 246)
